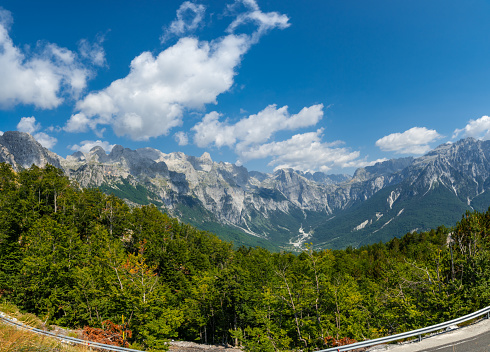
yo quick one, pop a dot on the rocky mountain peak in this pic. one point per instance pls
(206, 157)
(150, 153)
(20, 149)
(78, 156)
(325, 179)
(385, 168)
(97, 154)
(116, 152)
(277, 204)
(176, 156)
(202, 163)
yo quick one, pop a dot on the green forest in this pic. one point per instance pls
(77, 257)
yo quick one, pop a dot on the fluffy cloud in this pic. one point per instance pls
(252, 14)
(304, 152)
(86, 146)
(29, 125)
(479, 129)
(254, 129)
(45, 140)
(181, 138)
(93, 52)
(211, 131)
(42, 79)
(357, 163)
(250, 138)
(189, 16)
(413, 141)
(152, 98)
(77, 123)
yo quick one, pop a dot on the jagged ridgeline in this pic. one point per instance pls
(77, 257)
(287, 208)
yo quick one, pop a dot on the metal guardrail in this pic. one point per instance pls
(368, 343)
(404, 335)
(64, 339)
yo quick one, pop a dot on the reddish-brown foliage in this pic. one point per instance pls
(333, 342)
(111, 334)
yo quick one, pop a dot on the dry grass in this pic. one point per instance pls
(19, 340)
(26, 318)
(16, 340)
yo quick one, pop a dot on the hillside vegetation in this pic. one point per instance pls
(13, 339)
(76, 257)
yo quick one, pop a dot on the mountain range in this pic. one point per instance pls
(284, 209)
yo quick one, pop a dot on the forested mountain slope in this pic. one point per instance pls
(78, 257)
(433, 190)
(285, 209)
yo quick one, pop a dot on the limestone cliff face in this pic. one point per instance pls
(263, 204)
(232, 194)
(462, 167)
(21, 150)
(432, 190)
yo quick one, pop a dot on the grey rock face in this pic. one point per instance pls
(21, 150)
(462, 167)
(258, 203)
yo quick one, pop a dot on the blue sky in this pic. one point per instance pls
(319, 85)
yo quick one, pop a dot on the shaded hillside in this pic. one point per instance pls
(76, 257)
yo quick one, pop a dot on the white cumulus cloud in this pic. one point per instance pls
(252, 14)
(86, 146)
(78, 123)
(413, 141)
(363, 163)
(211, 131)
(479, 129)
(152, 98)
(181, 138)
(42, 79)
(304, 152)
(29, 125)
(255, 129)
(45, 140)
(189, 16)
(93, 52)
(251, 137)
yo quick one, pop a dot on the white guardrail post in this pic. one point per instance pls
(404, 335)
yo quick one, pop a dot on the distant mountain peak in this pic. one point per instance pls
(387, 199)
(206, 157)
(22, 150)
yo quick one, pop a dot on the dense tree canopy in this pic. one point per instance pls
(79, 257)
